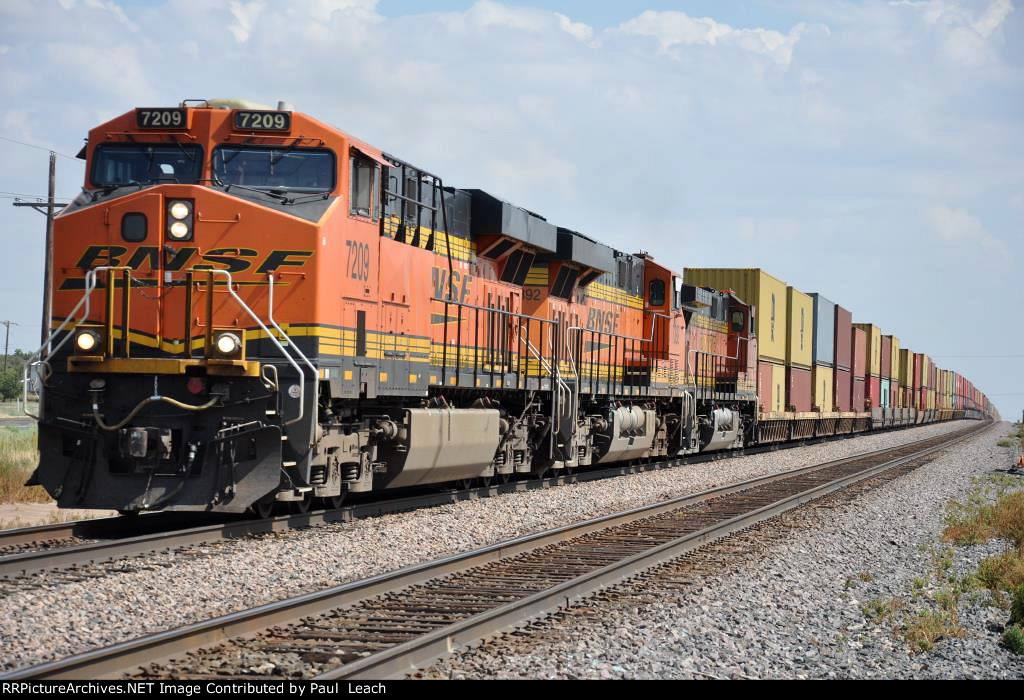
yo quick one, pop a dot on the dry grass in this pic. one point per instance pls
(18, 457)
(928, 627)
(990, 511)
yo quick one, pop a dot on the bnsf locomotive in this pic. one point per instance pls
(253, 307)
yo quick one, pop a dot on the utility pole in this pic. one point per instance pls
(7, 338)
(50, 206)
(48, 252)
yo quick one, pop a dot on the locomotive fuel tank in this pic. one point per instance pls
(721, 431)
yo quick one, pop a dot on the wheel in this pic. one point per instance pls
(504, 478)
(464, 484)
(263, 508)
(485, 481)
(301, 507)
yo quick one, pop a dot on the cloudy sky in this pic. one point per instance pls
(871, 151)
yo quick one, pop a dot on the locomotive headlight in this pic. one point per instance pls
(180, 219)
(180, 210)
(87, 341)
(227, 345)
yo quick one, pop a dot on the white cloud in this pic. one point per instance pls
(673, 28)
(960, 226)
(966, 32)
(245, 14)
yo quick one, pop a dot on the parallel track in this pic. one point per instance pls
(392, 624)
(35, 549)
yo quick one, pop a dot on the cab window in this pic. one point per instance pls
(656, 293)
(737, 321)
(363, 199)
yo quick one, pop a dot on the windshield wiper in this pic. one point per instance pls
(270, 193)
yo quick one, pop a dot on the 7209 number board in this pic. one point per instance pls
(247, 120)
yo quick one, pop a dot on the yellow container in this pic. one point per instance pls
(758, 288)
(800, 316)
(874, 333)
(907, 368)
(823, 397)
(897, 375)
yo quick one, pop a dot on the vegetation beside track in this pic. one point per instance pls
(994, 511)
(18, 457)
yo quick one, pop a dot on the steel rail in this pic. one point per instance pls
(126, 656)
(168, 530)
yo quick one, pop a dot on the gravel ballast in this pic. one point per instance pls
(161, 591)
(814, 601)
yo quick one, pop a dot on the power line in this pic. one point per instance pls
(41, 148)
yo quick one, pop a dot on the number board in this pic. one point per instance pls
(161, 118)
(246, 120)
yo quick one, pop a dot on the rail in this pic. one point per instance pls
(471, 595)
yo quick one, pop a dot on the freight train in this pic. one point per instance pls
(252, 308)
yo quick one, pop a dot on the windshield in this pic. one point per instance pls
(145, 163)
(298, 170)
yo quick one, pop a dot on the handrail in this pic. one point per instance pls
(270, 317)
(273, 339)
(34, 361)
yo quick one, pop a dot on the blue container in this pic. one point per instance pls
(885, 393)
(823, 346)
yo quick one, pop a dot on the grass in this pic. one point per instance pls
(879, 610)
(1005, 442)
(18, 457)
(13, 409)
(929, 626)
(1013, 639)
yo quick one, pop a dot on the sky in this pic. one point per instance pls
(870, 151)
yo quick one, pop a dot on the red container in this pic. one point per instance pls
(860, 355)
(771, 391)
(918, 360)
(841, 390)
(895, 400)
(857, 394)
(886, 356)
(843, 339)
(874, 389)
(798, 389)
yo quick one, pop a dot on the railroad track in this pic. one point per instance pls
(392, 624)
(87, 542)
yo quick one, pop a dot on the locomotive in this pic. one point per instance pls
(251, 307)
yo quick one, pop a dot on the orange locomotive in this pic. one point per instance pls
(251, 307)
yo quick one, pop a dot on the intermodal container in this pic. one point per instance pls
(873, 349)
(894, 361)
(886, 393)
(756, 287)
(857, 394)
(873, 386)
(906, 364)
(800, 318)
(860, 360)
(798, 389)
(841, 390)
(823, 347)
(824, 394)
(844, 338)
(886, 357)
(771, 386)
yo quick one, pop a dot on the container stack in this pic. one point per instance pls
(873, 359)
(843, 385)
(860, 365)
(885, 375)
(823, 355)
(799, 342)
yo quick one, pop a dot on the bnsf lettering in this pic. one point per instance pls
(358, 261)
(602, 321)
(460, 287)
(233, 260)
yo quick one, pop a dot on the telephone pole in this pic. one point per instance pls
(7, 338)
(47, 209)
